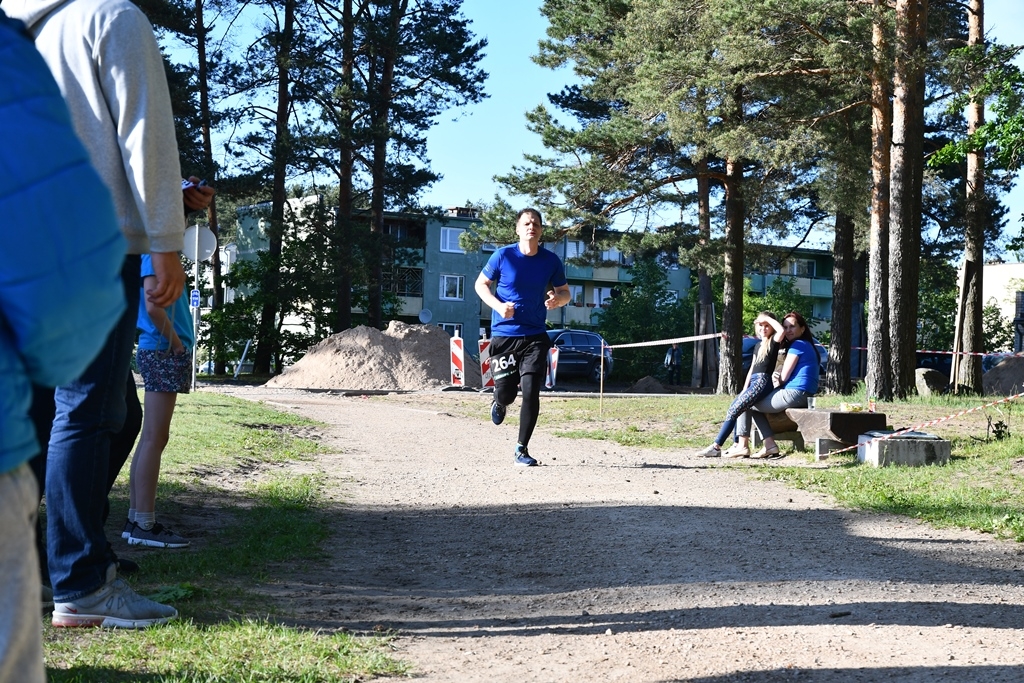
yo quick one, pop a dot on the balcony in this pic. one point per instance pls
(820, 288)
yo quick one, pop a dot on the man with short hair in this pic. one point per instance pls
(105, 59)
(530, 281)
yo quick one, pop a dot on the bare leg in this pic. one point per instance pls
(145, 468)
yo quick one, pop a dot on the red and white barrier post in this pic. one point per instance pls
(486, 376)
(549, 381)
(458, 361)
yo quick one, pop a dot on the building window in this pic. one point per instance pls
(450, 240)
(453, 329)
(612, 254)
(453, 287)
(574, 248)
(801, 267)
(602, 296)
(576, 295)
(403, 281)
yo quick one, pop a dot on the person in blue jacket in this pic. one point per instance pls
(60, 295)
(530, 281)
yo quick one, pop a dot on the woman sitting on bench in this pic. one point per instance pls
(758, 384)
(797, 380)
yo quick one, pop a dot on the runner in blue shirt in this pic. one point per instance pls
(530, 281)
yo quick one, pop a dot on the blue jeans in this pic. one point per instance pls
(90, 412)
(775, 402)
(760, 385)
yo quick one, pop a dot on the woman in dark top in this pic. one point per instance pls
(794, 382)
(758, 383)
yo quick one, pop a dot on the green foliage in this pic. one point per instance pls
(644, 310)
(989, 75)
(936, 305)
(997, 330)
(781, 297)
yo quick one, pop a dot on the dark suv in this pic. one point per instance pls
(579, 354)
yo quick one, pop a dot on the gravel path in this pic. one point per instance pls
(610, 563)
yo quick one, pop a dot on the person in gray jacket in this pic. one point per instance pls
(104, 56)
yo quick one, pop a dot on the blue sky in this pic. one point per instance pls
(470, 146)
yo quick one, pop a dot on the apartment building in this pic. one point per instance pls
(433, 276)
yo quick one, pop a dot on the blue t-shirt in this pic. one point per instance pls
(805, 374)
(179, 313)
(523, 280)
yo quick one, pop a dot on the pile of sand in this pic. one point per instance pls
(1005, 379)
(647, 385)
(402, 358)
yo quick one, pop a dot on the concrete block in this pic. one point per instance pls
(822, 446)
(912, 449)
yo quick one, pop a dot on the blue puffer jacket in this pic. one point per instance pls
(60, 264)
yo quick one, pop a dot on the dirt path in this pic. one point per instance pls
(620, 564)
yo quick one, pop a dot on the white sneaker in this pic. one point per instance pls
(712, 451)
(114, 605)
(737, 451)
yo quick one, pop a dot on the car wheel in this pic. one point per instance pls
(595, 372)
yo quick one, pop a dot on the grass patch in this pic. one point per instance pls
(225, 459)
(249, 651)
(978, 489)
(982, 487)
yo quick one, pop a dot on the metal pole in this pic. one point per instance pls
(600, 401)
(238, 368)
(195, 316)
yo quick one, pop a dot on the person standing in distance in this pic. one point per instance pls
(105, 59)
(530, 281)
(674, 363)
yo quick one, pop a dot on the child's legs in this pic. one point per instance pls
(165, 375)
(156, 430)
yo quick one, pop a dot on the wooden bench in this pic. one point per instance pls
(826, 429)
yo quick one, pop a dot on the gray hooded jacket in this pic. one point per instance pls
(105, 58)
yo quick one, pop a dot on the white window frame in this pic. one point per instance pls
(460, 286)
(450, 237)
(574, 248)
(451, 328)
(600, 294)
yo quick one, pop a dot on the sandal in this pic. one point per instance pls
(778, 455)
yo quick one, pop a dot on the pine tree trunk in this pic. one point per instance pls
(858, 321)
(268, 337)
(969, 378)
(729, 376)
(704, 367)
(218, 342)
(343, 217)
(381, 123)
(837, 379)
(877, 378)
(907, 170)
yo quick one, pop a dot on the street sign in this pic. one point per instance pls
(194, 299)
